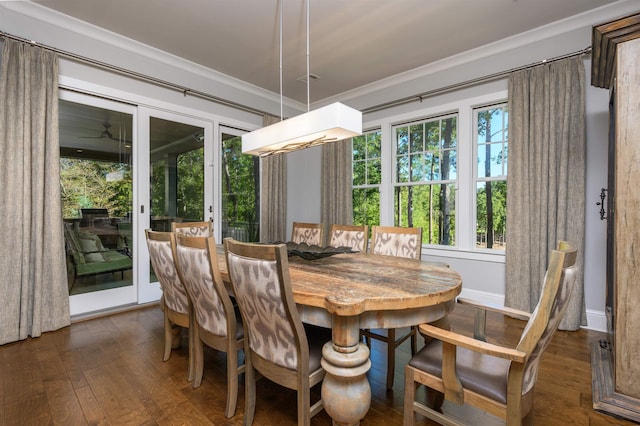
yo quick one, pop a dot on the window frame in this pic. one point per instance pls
(466, 158)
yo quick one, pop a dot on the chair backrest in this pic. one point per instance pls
(308, 233)
(397, 241)
(198, 268)
(559, 282)
(354, 236)
(193, 229)
(162, 255)
(259, 275)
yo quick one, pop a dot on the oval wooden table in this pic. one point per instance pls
(349, 292)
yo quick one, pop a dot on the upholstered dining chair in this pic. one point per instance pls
(308, 233)
(193, 229)
(354, 236)
(400, 242)
(214, 320)
(277, 345)
(497, 379)
(175, 303)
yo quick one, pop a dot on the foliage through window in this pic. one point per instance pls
(240, 191)
(425, 177)
(491, 178)
(367, 177)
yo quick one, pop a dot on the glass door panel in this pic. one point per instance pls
(179, 182)
(96, 178)
(240, 177)
(177, 173)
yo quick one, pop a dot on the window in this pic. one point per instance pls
(367, 172)
(425, 177)
(491, 138)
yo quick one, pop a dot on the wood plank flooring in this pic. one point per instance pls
(109, 371)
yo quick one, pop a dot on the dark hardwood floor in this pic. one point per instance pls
(109, 371)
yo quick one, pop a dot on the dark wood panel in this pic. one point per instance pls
(604, 41)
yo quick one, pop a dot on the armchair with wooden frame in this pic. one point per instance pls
(496, 379)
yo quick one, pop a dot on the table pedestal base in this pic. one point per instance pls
(346, 394)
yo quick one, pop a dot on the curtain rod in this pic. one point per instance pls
(469, 83)
(186, 91)
(139, 76)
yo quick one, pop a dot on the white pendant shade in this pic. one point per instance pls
(327, 124)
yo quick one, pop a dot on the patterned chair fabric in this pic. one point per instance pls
(215, 321)
(354, 236)
(308, 233)
(207, 305)
(277, 344)
(397, 241)
(173, 292)
(193, 229)
(258, 292)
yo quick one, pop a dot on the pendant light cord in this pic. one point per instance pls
(308, 74)
(281, 101)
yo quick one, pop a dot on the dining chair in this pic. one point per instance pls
(354, 236)
(400, 242)
(497, 379)
(308, 233)
(277, 344)
(193, 229)
(174, 303)
(214, 319)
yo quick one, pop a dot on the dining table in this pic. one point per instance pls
(348, 292)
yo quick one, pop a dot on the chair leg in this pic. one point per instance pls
(168, 338)
(391, 356)
(304, 398)
(232, 381)
(198, 358)
(249, 389)
(409, 397)
(414, 340)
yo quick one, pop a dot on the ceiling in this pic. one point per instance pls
(352, 43)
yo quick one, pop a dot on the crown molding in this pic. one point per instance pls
(86, 30)
(557, 28)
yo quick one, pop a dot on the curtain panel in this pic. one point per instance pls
(546, 184)
(273, 189)
(336, 202)
(33, 283)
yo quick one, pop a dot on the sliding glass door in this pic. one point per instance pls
(97, 186)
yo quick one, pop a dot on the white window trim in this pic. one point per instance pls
(465, 195)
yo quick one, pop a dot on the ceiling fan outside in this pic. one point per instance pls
(105, 134)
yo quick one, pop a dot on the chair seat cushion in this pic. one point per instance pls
(480, 373)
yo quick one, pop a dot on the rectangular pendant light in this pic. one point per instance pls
(330, 123)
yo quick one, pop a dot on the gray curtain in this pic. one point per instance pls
(33, 281)
(546, 184)
(273, 198)
(336, 202)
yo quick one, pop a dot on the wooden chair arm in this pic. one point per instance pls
(473, 344)
(480, 323)
(510, 312)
